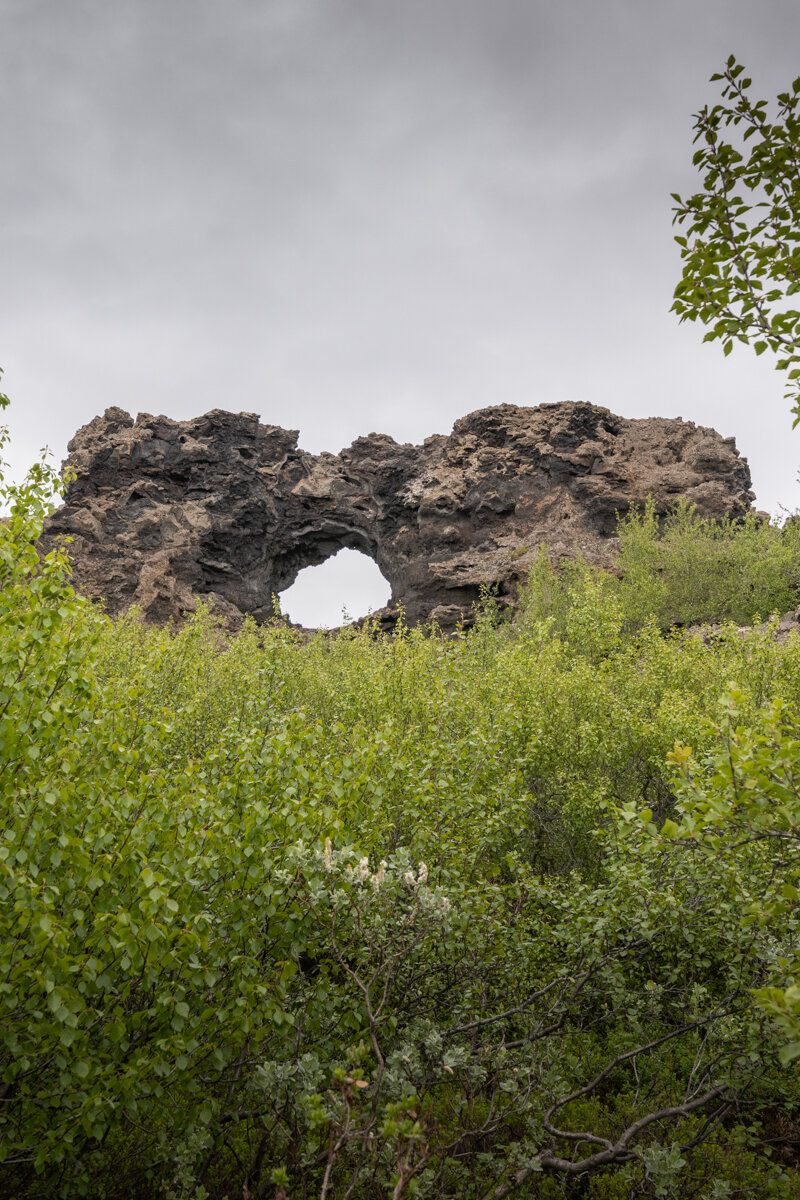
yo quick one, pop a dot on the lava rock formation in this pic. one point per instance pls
(162, 513)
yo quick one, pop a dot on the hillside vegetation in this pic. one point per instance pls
(507, 914)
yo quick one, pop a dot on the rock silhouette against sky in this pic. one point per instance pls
(162, 513)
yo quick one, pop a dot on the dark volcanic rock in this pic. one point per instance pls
(164, 512)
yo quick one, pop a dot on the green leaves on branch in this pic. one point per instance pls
(739, 803)
(741, 242)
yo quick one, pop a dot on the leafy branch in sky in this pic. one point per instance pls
(741, 241)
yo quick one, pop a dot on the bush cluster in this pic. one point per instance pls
(506, 914)
(681, 571)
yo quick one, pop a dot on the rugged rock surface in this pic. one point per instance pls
(163, 512)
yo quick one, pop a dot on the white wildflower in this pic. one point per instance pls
(328, 856)
(422, 877)
(363, 869)
(379, 876)
(410, 879)
(444, 904)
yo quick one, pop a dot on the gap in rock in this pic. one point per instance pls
(344, 588)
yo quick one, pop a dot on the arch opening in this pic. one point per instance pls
(347, 586)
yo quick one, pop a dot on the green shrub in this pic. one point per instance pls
(692, 570)
(684, 570)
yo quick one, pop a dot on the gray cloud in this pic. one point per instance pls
(357, 214)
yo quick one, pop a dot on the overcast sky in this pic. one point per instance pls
(358, 215)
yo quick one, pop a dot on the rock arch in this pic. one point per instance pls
(222, 507)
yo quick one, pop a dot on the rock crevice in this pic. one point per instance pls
(162, 513)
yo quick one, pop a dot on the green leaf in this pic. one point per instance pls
(789, 1052)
